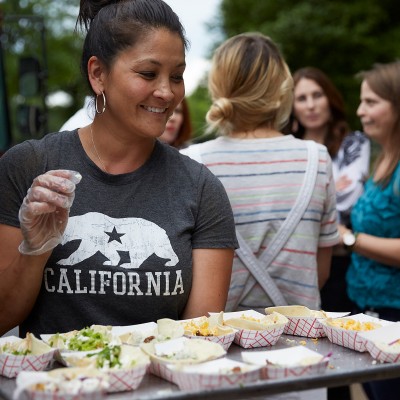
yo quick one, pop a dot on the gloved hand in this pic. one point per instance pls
(44, 212)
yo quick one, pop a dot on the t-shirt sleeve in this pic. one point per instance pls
(215, 225)
(329, 234)
(17, 168)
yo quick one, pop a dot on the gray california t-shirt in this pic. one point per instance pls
(126, 253)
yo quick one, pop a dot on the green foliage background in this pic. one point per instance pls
(339, 36)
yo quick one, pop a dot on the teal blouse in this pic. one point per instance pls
(377, 212)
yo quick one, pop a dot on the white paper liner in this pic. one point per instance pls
(384, 343)
(213, 375)
(292, 362)
(354, 340)
(11, 365)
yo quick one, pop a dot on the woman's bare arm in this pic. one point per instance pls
(20, 279)
(324, 258)
(212, 270)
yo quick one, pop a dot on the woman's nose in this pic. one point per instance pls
(164, 91)
(310, 102)
(360, 110)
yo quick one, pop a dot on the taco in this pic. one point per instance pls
(110, 357)
(296, 311)
(183, 351)
(87, 339)
(261, 323)
(30, 345)
(207, 326)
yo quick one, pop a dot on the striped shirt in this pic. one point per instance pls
(262, 178)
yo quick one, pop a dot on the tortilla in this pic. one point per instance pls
(30, 345)
(183, 351)
(86, 339)
(111, 357)
(169, 329)
(266, 322)
(207, 326)
(296, 311)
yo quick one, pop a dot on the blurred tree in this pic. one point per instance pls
(62, 51)
(341, 37)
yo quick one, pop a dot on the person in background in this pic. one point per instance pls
(319, 115)
(262, 169)
(83, 117)
(178, 130)
(106, 224)
(373, 278)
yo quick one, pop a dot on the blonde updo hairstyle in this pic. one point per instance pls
(250, 85)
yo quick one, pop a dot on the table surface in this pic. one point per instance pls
(345, 367)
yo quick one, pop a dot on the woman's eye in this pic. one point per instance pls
(301, 98)
(318, 95)
(178, 78)
(148, 75)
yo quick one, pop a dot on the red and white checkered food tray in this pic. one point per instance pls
(384, 343)
(62, 384)
(180, 351)
(252, 338)
(11, 365)
(303, 321)
(292, 362)
(225, 340)
(351, 338)
(128, 375)
(214, 374)
(210, 329)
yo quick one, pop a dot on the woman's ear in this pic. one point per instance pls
(96, 74)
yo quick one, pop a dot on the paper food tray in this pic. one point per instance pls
(249, 338)
(214, 374)
(11, 365)
(351, 339)
(292, 362)
(384, 343)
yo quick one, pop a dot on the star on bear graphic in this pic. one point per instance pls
(114, 235)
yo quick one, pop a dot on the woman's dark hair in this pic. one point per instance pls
(338, 127)
(115, 25)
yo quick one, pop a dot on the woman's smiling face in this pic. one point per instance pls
(376, 114)
(146, 84)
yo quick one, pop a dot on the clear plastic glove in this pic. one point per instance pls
(44, 212)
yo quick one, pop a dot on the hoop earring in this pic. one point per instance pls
(104, 103)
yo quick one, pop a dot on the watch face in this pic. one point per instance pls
(349, 239)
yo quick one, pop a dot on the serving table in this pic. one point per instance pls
(345, 367)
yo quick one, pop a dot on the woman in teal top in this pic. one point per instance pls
(373, 279)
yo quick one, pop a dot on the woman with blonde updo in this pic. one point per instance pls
(263, 171)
